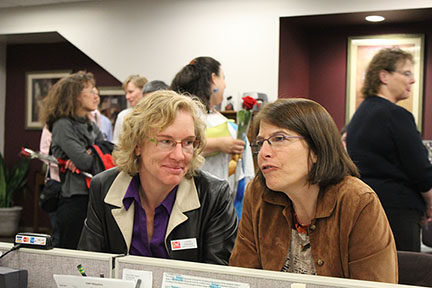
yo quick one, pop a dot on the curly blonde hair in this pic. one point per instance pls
(61, 100)
(153, 114)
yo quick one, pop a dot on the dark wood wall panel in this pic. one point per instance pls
(316, 46)
(37, 57)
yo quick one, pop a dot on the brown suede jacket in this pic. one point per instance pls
(350, 235)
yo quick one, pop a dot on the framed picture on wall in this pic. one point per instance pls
(361, 51)
(112, 101)
(38, 83)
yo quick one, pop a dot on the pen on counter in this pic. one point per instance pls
(138, 283)
(81, 270)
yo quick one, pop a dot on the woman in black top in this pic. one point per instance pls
(383, 141)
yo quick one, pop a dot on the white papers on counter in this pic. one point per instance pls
(72, 281)
(171, 280)
(133, 275)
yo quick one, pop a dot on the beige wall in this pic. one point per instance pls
(157, 37)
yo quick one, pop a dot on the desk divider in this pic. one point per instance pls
(42, 264)
(254, 277)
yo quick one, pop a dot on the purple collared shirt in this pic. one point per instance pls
(139, 243)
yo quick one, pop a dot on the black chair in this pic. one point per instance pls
(415, 268)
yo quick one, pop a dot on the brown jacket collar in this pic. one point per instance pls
(325, 205)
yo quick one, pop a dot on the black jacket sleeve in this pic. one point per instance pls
(101, 233)
(410, 149)
(221, 228)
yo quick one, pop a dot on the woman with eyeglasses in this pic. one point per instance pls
(156, 202)
(66, 113)
(306, 211)
(383, 141)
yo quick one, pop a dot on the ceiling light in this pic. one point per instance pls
(374, 18)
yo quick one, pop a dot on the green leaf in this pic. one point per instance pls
(243, 121)
(12, 181)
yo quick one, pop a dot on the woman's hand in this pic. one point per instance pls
(231, 146)
(70, 165)
(224, 144)
(428, 214)
(427, 196)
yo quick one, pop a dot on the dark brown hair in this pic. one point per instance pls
(196, 78)
(310, 120)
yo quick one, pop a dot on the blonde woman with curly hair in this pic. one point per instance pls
(156, 202)
(66, 114)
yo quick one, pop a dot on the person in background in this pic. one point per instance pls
(153, 86)
(383, 141)
(133, 87)
(307, 211)
(101, 120)
(204, 77)
(156, 202)
(53, 173)
(66, 114)
(343, 133)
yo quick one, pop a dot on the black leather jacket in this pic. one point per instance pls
(203, 209)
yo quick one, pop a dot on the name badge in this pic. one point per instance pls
(184, 244)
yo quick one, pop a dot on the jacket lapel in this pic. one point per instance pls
(186, 200)
(275, 220)
(326, 202)
(123, 218)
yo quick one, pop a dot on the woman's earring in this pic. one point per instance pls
(215, 90)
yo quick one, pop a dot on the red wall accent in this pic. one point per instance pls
(37, 57)
(318, 49)
(294, 65)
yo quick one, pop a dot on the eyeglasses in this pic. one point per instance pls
(92, 91)
(167, 145)
(408, 74)
(276, 141)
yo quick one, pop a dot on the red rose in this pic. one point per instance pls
(248, 102)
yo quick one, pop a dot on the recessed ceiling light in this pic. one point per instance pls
(374, 18)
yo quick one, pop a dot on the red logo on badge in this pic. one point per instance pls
(175, 245)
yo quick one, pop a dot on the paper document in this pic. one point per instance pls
(171, 280)
(145, 276)
(72, 281)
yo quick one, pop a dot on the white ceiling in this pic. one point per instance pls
(23, 3)
(34, 37)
